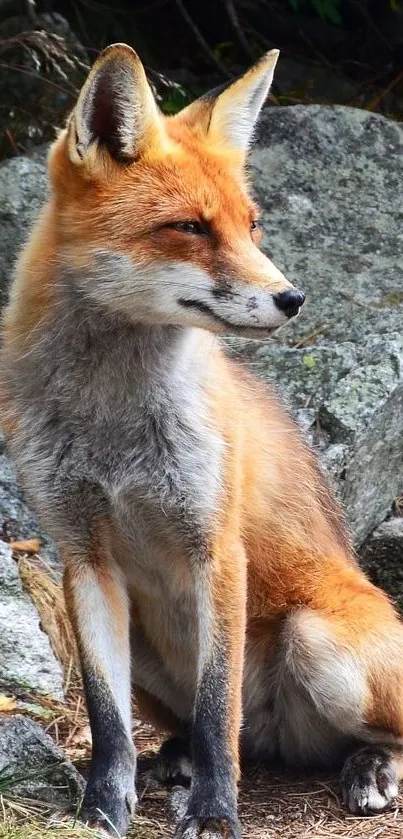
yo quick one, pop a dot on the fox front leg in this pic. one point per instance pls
(212, 803)
(98, 607)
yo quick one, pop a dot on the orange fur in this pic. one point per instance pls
(31, 293)
(155, 712)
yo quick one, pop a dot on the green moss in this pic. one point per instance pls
(393, 298)
(309, 361)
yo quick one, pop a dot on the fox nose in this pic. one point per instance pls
(290, 301)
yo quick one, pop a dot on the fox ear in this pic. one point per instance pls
(229, 115)
(115, 110)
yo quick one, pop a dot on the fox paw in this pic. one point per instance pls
(189, 826)
(192, 827)
(369, 781)
(174, 767)
(108, 809)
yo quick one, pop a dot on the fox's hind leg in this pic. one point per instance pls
(173, 765)
(329, 690)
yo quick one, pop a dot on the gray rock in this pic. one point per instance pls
(382, 558)
(45, 773)
(26, 658)
(23, 189)
(17, 520)
(330, 182)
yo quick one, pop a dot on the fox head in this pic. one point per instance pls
(153, 213)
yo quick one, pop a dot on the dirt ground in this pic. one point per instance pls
(276, 805)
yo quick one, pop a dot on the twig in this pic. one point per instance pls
(26, 72)
(355, 300)
(375, 102)
(204, 45)
(31, 10)
(234, 20)
(398, 505)
(371, 23)
(264, 41)
(317, 52)
(308, 401)
(11, 140)
(306, 338)
(149, 7)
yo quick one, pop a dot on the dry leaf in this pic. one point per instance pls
(28, 546)
(7, 704)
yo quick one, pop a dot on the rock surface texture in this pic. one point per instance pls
(26, 658)
(382, 557)
(45, 773)
(23, 189)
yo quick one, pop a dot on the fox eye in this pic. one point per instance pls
(254, 225)
(194, 228)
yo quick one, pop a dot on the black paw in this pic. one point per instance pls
(108, 806)
(174, 766)
(192, 827)
(369, 781)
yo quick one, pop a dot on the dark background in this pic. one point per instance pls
(333, 51)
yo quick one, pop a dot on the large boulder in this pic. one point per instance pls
(329, 180)
(330, 184)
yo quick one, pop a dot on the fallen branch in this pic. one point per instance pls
(203, 43)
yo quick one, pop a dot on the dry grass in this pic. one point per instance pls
(398, 505)
(45, 590)
(273, 805)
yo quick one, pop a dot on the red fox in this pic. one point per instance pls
(207, 566)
